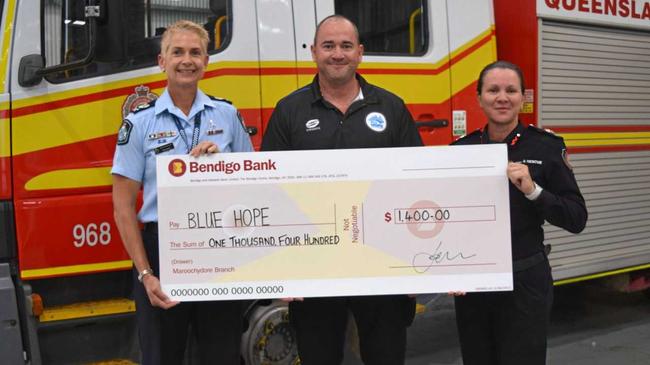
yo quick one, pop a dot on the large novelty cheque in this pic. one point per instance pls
(334, 222)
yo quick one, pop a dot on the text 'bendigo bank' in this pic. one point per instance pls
(230, 167)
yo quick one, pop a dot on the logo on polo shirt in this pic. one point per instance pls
(312, 125)
(376, 122)
(177, 167)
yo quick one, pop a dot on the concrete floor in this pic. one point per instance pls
(591, 325)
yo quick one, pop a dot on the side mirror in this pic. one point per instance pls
(28, 70)
(32, 67)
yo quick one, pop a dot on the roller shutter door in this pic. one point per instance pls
(596, 76)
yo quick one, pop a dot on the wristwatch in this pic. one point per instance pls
(144, 272)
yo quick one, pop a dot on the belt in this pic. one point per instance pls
(151, 227)
(528, 262)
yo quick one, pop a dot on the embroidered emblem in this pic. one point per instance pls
(312, 125)
(124, 133)
(140, 97)
(376, 121)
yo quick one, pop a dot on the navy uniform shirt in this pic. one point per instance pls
(152, 131)
(560, 203)
(305, 121)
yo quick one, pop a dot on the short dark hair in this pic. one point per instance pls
(503, 65)
(337, 17)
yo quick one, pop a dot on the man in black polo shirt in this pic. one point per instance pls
(339, 109)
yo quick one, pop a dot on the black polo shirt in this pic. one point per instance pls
(305, 121)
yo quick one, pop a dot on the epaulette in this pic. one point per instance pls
(546, 132)
(220, 99)
(476, 131)
(144, 106)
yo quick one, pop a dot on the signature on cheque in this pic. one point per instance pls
(423, 261)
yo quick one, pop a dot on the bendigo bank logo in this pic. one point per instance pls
(177, 167)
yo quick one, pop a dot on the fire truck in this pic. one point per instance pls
(71, 70)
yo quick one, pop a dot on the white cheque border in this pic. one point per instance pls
(326, 166)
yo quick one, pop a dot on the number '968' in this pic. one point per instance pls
(91, 234)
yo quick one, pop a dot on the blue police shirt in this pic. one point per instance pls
(153, 131)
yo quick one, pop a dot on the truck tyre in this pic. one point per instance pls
(269, 338)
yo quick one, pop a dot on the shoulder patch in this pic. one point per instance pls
(145, 106)
(220, 99)
(546, 132)
(125, 132)
(565, 158)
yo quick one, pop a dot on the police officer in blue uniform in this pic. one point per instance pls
(183, 120)
(509, 328)
(339, 109)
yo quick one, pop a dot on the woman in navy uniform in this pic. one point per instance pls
(183, 120)
(500, 328)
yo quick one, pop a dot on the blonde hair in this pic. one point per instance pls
(188, 26)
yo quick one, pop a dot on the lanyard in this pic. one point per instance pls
(195, 133)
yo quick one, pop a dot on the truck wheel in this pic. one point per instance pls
(269, 338)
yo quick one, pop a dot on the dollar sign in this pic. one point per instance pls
(387, 217)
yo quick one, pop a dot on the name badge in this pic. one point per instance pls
(164, 148)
